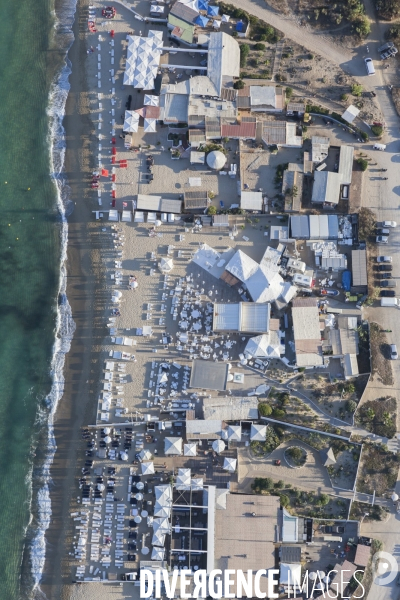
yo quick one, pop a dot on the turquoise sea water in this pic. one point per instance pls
(30, 248)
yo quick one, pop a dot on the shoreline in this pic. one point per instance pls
(76, 405)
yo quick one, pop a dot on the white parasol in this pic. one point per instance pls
(124, 456)
(218, 446)
(107, 439)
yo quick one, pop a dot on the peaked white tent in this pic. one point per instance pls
(151, 100)
(218, 446)
(161, 525)
(190, 449)
(197, 484)
(162, 511)
(150, 125)
(234, 433)
(173, 446)
(144, 455)
(263, 346)
(191, 4)
(147, 468)
(158, 538)
(166, 265)
(183, 479)
(229, 464)
(258, 433)
(131, 122)
(157, 554)
(143, 60)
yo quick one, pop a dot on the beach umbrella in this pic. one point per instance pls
(202, 4)
(190, 449)
(138, 519)
(140, 485)
(394, 497)
(144, 455)
(312, 575)
(134, 285)
(147, 468)
(326, 579)
(225, 18)
(218, 446)
(151, 100)
(216, 24)
(131, 122)
(213, 11)
(158, 539)
(107, 430)
(201, 21)
(166, 264)
(157, 223)
(138, 496)
(197, 484)
(145, 550)
(321, 574)
(145, 513)
(124, 456)
(150, 125)
(101, 487)
(107, 439)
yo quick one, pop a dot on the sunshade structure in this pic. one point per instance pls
(158, 538)
(327, 457)
(147, 468)
(143, 60)
(157, 554)
(183, 479)
(193, 4)
(151, 100)
(161, 525)
(197, 484)
(201, 21)
(150, 125)
(173, 446)
(145, 455)
(261, 346)
(166, 265)
(163, 503)
(131, 122)
(234, 433)
(229, 464)
(163, 378)
(218, 446)
(216, 24)
(258, 433)
(213, 11)
(124, 456)
(202, 4)
(190, 449)
(225, 18)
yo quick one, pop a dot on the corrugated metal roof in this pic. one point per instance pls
(184, 12)
(333, 224)
(213, 127)
(296, 107)
(198, 121)
(326, 187)
(307, 332)
(193, 200)
(203, 429)
(359, 267)
(223, 59)
(244, 92)
(158, 204)
(251, 200)
(255, 317)
(346, 164)
(221, 220)
(228, 94)
(226, 317)
(300, 227)
(243, 102)
(244, 130)
(274, 132)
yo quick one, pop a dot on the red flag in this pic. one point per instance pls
(104, 173)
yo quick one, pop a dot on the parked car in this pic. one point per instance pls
(361, 301)
(384, 259)
(385, 268)
(385, 276)
(330, 292)
(382, 239)
(388, 284)
(393, 352)
(388, 293)
(390, 224)
(383, 231)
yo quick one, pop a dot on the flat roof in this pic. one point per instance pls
(307, 332)
(223, 59)
(158, 204)
(346, 156)
(243, 541)
(209, 375)
(251, 200)
(197, 429)
(262, 96)
(319, 148)
(230, 409)
(326, 187)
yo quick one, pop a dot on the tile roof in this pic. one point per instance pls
(245, 130)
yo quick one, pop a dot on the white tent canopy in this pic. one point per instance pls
(197, 484)
(166, 264)
(157, 554)
(229, 464)
(131, 122)
(143, 59)
(145, 455)
(173, 446)
(260, 347)
(161, 525)
(151, 100)
(234, 433)
(147, 468)
(183, 479)
(150, 125)
(190, 449)
(158, 538)
(218, 446)
(258, 433)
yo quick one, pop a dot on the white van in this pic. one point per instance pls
(379, 146)
(369, 66)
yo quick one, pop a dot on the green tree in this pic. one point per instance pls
(295, 453)
(212, 210)
(362, 26)
(239, 84)
(280, 484)
(323, 500)
(244, 52)
(259, 46)
(278, 413)
(363, 164)
(284, 500)
(356, 89)
(289, 92)
(264, 409)
(344, 97)
(350, 406)
(370, 414)
(377, 130)
(364, 136)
